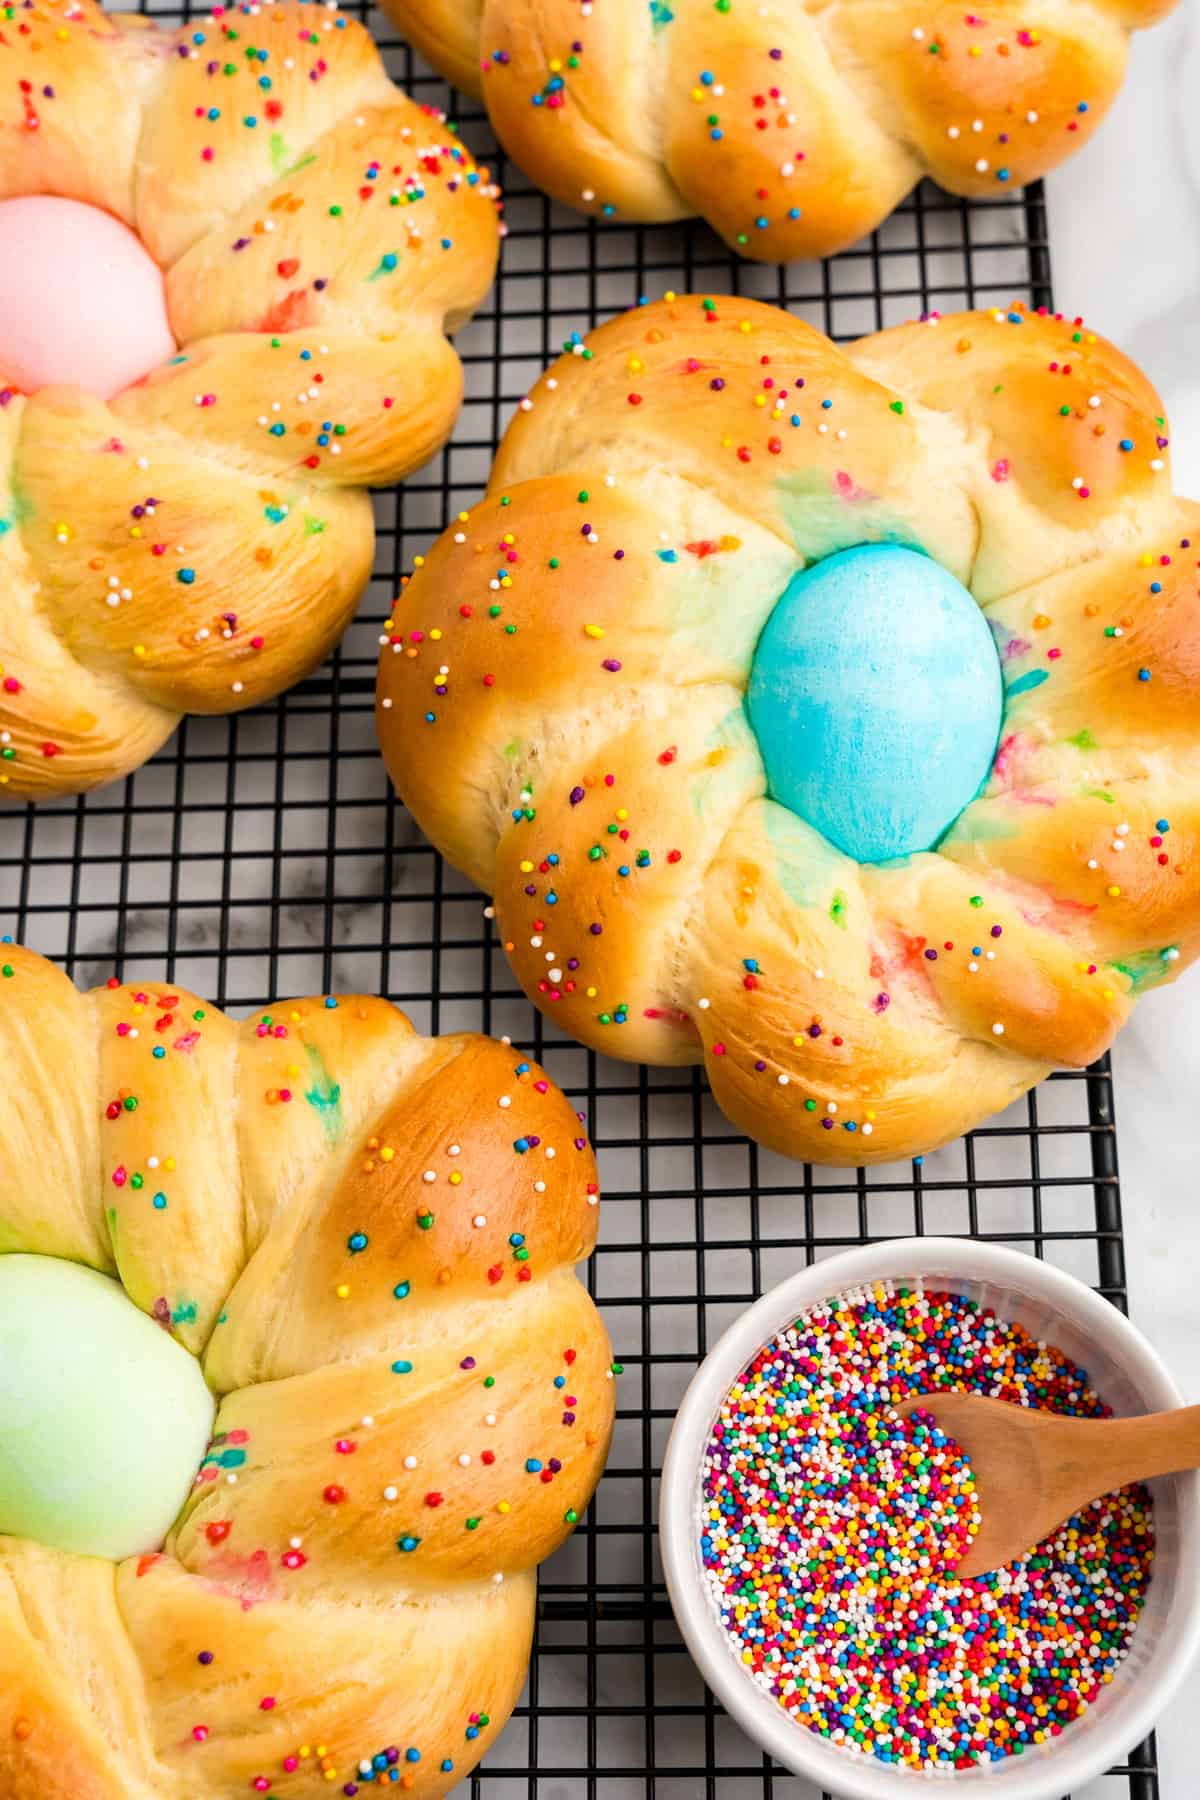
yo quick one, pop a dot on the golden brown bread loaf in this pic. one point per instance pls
(200, 542)
(565, 677)
(464, 1180)
(793, 127)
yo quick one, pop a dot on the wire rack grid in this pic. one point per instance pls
(263, 855)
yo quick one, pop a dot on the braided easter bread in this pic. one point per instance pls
(563, 706)
(793, 129)
(199, 543)
(368, 1239)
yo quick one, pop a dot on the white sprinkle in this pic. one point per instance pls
(479, 1221)
(429, 1175)
(998, 1030)
(410, 1462)
(464, 1461)
(504, 1101)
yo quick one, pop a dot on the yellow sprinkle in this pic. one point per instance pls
(593, 631)
(591, 993)
(387, 1153)
(745, 327)
(670, 294)
(526, 868)
(1112, 892)
(502, 1506)
(435, 634)
(636, 365)
(418, 562)
(139, 649)
(455, 1179)
(342, 1291)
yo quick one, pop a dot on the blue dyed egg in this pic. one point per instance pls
(876, 698)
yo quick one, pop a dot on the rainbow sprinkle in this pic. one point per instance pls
(830, 1529)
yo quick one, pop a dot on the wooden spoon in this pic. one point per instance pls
(1033, 1469)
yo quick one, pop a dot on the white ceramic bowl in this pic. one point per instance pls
(1126, 1373)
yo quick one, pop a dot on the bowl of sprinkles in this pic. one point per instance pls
(810, 1535)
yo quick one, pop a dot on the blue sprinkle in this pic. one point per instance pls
(356, 1241)
(160, 1202)
(532, 1465)
(158, 1052)
(400, 1367)
(521, 1146)
(401, 1290)
(407, 1543)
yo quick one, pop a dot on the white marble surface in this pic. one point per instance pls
(1125, 243)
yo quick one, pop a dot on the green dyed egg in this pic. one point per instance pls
(103, 1417)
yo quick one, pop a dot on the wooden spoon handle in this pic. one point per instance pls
(1158, 1444)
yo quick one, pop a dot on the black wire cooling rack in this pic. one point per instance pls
(263, 855)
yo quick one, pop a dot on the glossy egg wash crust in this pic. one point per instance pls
(367, 1242)
(562, 705)
(794, 128)
(198, 542)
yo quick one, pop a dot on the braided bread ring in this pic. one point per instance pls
(572, 662)
(200, 543)
(345, 1200)
(794, 129)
